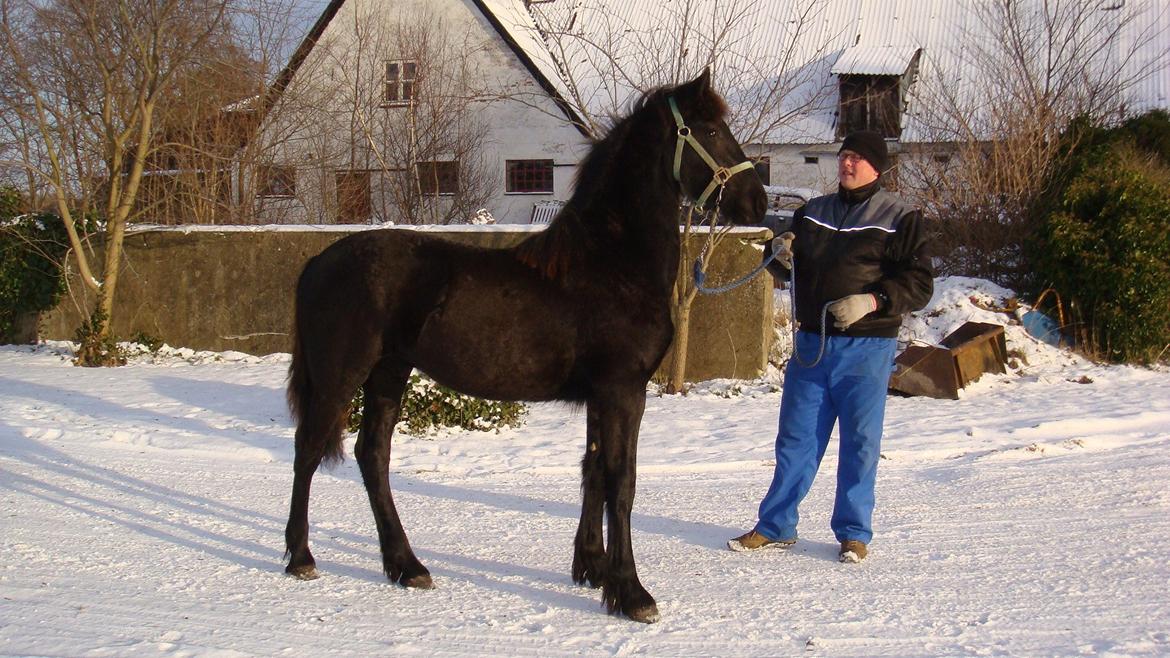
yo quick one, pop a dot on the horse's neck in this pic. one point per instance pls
(633, 210)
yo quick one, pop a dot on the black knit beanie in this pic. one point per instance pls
(869, 145)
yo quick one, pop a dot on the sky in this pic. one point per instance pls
(142, 511)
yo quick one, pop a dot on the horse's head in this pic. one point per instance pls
(708, 162)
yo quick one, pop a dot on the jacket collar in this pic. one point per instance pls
(858, 194)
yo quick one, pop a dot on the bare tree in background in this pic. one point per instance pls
(387, 117)
(1021, 71)
(615, 59)
(92, 74)
(208, 120)
(204, 121)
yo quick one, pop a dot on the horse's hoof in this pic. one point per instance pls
(421, 581)
(646, 614)
(303, 572)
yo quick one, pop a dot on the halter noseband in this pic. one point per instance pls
(722, 174)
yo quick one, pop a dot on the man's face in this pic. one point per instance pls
(854, 171)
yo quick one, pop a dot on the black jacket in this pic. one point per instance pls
(872, 242)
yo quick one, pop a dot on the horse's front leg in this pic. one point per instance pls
(589, 559)
(619, 416)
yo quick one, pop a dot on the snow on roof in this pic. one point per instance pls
(875, 60)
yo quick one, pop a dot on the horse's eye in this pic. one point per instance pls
(713, 133)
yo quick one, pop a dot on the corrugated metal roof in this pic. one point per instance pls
(622, 47)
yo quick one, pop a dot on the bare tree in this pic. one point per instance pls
(387, 118)
(607, 52)
(1018, 74)
(94, 73)
(208, 115)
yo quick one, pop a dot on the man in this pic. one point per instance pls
(861, 261)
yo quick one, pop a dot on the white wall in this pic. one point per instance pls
(789, 168)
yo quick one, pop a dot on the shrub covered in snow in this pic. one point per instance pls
(427, 406)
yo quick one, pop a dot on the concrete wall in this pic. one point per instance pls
(224, 288)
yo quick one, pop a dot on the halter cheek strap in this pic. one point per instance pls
(721, 175)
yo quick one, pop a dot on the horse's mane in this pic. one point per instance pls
(551, 251)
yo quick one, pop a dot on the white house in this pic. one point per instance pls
(420, 111)
(799, 74)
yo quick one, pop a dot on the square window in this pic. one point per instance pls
(869, 102)
(437, 178)
(401, 82)
(279, 181)
(529, 176)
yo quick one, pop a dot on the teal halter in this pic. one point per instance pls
(722, 174)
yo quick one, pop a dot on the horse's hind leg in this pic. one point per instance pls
(589, 546)
(318, 430)
(383, 400)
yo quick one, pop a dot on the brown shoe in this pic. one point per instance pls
(752, 540)
(852, 551)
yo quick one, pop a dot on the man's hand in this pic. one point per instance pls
(782, 248)
(852, 308)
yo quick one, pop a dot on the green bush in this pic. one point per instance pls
(427, 406)
(31, 249)
(95, 350)
(1104, 245)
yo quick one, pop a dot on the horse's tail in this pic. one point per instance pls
(300, 386)
(300, 390)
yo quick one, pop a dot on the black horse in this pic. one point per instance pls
(579, 312)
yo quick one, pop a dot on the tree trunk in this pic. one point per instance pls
(676, 383)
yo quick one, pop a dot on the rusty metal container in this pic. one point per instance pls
(962, 357)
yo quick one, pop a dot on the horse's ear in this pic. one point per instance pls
(702, 95)
(703, 82)
(700, 87)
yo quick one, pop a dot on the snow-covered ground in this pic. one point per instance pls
(142, 511)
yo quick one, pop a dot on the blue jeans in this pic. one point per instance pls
(848, 387)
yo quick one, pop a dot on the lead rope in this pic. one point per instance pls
(792, 306)
(700, 276)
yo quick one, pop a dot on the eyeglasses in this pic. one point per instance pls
(851, 158)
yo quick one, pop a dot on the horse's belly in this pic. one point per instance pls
(498, 346)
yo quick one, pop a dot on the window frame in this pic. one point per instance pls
(445, 178)
(869, 102)
(514, 172)
(277, 181)
(399, 90)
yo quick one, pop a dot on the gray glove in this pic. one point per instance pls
(782, 248)
(851, 308)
